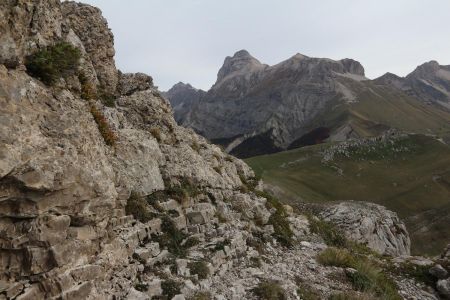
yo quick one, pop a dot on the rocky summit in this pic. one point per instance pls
(104, 196)
(255, 109)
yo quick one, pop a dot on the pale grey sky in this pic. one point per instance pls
(187, 40)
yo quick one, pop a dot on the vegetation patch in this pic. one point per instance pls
(183, 191)
(201, 296)
(399, 184)
(333, 237)
(156, 133)
(367, 277)
(306, 292)
(279, 221)
(170, 288)
(138, 208)
(327, 231)
(141, 287)
(351, 296)
(191, 242)
(54, 62)
(88, 90)
(172, 238)
(199, 268)
(270, 290)
(249, 184)
(105, 130)
(107, 99)
(419, 273)
(221, 245)
(195, 146)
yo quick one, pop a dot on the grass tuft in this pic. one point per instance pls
(137, 206)
(199, 268)
(269, 290)
(367, 277)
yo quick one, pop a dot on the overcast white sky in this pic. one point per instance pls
(187, 40)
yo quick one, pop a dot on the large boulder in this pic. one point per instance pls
(371, 224)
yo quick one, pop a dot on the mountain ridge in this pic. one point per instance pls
(270, 108)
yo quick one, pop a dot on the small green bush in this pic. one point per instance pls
(199, 268)
(171, 238)
(107, 99)
(270, 290)
(282, 230)
(58, 61)
(141, 287)
(336, 257)
(221, 245)
(170, 288)
(137, 206)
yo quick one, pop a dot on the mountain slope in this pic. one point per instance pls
(407, 174)
(254, 108)
(429, 82)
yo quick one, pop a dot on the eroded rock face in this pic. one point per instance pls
(370, 224)
(26, 26)
(98, 41)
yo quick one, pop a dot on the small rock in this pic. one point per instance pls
(439, 272)
(443, 287)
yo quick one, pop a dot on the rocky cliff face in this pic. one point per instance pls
(254, 108)
(159, 212)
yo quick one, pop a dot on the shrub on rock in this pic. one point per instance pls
(58, 61)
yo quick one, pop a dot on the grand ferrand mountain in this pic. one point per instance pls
(254, 108)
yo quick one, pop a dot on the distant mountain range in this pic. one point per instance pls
(254, 108)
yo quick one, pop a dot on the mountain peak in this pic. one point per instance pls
(425, 70)
(352, 66)
(242, 53)
(240, 62)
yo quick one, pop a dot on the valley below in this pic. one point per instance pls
(409, 174)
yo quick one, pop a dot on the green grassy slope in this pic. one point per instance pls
(412, 177)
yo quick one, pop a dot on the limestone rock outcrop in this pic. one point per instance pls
(372, 225)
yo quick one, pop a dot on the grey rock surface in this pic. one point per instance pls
(370, 224)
